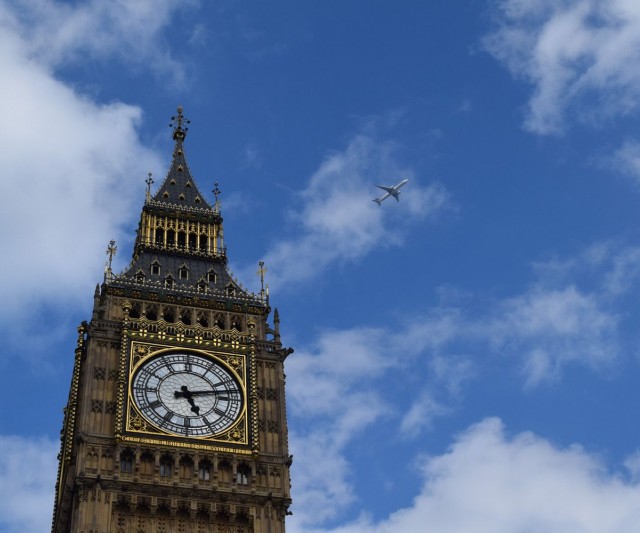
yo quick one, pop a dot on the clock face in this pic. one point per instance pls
(187, 394)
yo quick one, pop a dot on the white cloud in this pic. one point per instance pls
(338, 222)
(547, 327)
(421, 414)
(69, 181)
(550, 328)
(627, 159)
(58, 33)
(27, 481)
(575, 53)
(72, 169)
(490, 483)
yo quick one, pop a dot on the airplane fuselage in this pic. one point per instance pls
(390, 191)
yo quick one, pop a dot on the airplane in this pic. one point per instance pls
(390, 191)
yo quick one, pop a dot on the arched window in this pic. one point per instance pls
(168, 282)
(168, 314)
(171, 238)
(147, 464)
(193, 241)
(155, 268)
(126, 461)
(182, 239)
(183, 272)
(140, 277)
(243, 474)
(166, 466)
(211, 276)
(151, 312)
(159, 236)
(224, 471)
(203, 243)
(203, 319)
(204, 470)
(135, 310)
(236, 323)
(185, 317)
(186, 468)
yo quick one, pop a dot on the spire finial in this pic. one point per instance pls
(149, 181)
(111, 251)
(177, 123)
(216, 192)
(261, 272)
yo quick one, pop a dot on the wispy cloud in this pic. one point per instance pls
(626, 159)
(336, 219)
(550, 329)
(576, 55)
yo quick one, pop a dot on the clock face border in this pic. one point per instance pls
(137, 428)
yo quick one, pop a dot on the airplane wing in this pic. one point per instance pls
(390, 191)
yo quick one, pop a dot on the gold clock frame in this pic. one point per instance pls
(136, 429)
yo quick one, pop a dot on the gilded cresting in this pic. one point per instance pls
(176, 415)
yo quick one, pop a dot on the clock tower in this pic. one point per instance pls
(176, 420)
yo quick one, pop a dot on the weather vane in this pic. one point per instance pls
(149, 181)
(111, 251)
(261, 272)
(216, 192)
(177, 122)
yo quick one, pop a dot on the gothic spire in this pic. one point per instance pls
(179, 189)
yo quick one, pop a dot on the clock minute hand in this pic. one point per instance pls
(213, 391)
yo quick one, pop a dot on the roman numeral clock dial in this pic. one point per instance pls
(187, 394)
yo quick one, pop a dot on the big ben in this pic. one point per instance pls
(175, 420)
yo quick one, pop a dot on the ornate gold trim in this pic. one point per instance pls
(136, 428)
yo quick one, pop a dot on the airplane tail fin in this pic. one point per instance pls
(377, 201)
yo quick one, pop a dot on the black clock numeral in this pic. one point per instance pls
(220, 412)
(155, 403)
(227, 381)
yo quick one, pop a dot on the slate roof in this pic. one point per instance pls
(179, 188)
(198, 271)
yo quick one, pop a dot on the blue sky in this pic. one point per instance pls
(466, 359)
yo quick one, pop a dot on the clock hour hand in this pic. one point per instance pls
(186, 394)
